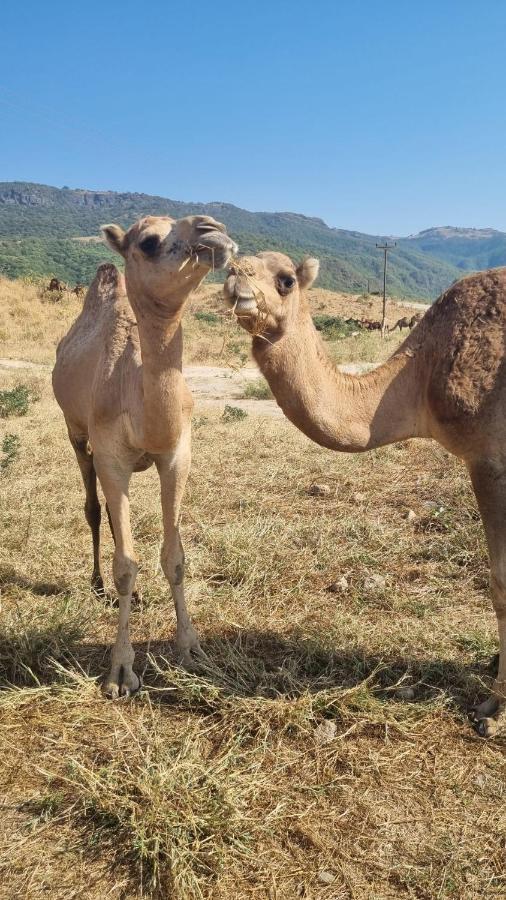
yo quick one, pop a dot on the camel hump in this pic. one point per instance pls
(469, 320)
(105, 287)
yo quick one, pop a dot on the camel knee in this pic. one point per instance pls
(124, 571)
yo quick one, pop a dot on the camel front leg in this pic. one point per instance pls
(122, 680)
(489, 482)
(173, 470)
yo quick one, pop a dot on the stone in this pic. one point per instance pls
(374, 583)
(319, 490)
(337, 587)
(326, 877)
(325, 732)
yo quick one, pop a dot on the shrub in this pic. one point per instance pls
(10, 450)
(257, 390)
(233, 414)
(209, 318)
(333, 327)
(15, 402)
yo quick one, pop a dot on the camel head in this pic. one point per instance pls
(165, 258)
(264, 291)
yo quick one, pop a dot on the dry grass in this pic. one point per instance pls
(32, 323)
(219, 784)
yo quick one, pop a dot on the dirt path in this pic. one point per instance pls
(211, 386)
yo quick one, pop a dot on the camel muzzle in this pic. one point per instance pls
(214, 249)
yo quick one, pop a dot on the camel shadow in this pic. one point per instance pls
(9, 577)
(249, 663)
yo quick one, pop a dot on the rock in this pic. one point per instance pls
(319, 490)
(405, 692)
(374, 583)
(337, 587)
(325, 732)
(326, 877)
(411, 516)
(432, 506)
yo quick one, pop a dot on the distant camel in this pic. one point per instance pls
(56, 285)
(401, 323)
(414, 320)
(119, 383)
(447, 381)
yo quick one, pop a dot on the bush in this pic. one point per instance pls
(15, 402)
(233, 414)
(257, 390)
(333, 327)
(10, 450)
(209, 318)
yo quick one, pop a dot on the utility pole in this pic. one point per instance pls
(385, 247)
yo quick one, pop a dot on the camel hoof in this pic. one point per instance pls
(190, 658)
(124, 686)
(487, 728)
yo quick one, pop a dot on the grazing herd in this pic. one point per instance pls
(118, 380)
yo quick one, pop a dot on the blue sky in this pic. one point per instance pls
(380, 117)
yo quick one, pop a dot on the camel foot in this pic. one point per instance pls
(97, 586)
(122, 682)
(489, 718)
(189, 651)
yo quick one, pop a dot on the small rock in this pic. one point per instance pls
(405, 692)
(325, 732)
(374, 583)
(326, 877)
(410, 516)
(319, 490)
(358, 497)
(432, 506)
(336, 587)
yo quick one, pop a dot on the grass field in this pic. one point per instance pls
(323, 749)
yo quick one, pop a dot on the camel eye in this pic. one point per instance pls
(285, 283)
(150, 245)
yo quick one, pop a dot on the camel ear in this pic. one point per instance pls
(307, 271)
(115, 238)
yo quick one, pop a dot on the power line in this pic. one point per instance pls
(385, 247)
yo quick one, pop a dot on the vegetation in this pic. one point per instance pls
(36, 222)
(15, 402)
(257, 390)
(333, 327)
(209, 318)
(10, 450)
(322, 747)
(233, 414)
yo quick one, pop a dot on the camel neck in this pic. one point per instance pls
(352, 413)
(161, 341)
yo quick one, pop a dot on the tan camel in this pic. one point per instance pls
(447, 381)
(119, 383)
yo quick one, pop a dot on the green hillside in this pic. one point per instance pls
(37, 224)
(466, 248)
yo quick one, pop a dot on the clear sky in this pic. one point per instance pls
(385, 117)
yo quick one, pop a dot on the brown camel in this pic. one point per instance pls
(56, 285)
(446, 381)
(401, 323)
(118, 381)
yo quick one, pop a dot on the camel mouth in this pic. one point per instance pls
(244, 305)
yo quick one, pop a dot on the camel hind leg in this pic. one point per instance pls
(92, 509)
(489, 483)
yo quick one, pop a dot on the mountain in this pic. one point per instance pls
(465, 248)
(39, 226)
